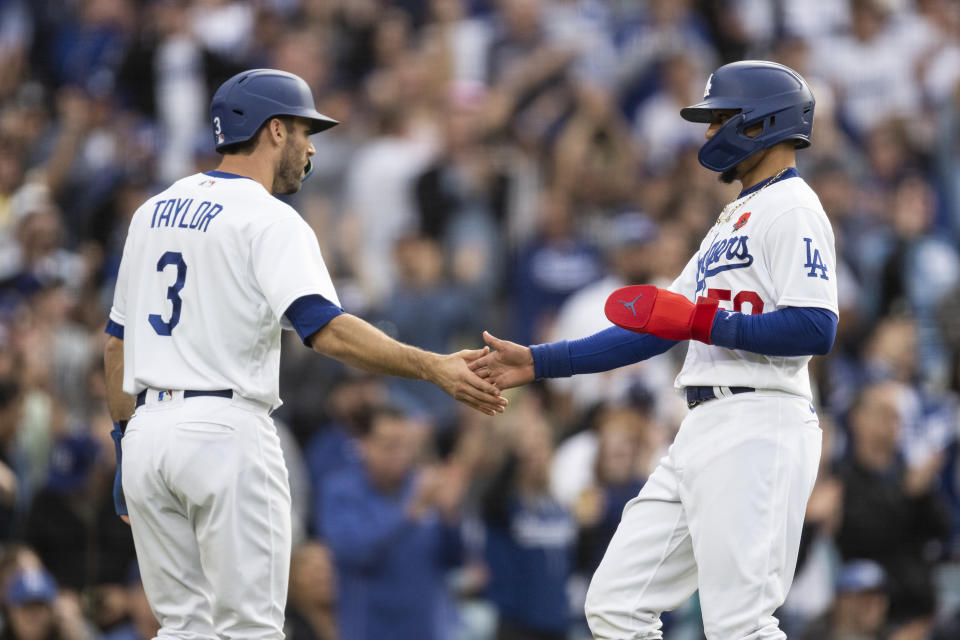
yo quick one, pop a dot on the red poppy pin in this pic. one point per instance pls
(742, 220)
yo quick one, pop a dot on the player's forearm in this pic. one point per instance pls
(603, 351)
(120, 404)
(356, 342)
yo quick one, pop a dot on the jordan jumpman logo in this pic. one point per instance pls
(629, 305)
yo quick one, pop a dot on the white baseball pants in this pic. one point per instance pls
(209, 503)
(723, 513)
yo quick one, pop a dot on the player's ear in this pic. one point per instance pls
(277, 130)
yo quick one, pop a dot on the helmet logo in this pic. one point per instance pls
(217, 130)
(706, 92)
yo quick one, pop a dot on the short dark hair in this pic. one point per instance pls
(247, 147)
(374, 415)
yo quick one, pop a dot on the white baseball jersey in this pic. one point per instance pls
(775, 251)
(209, 268)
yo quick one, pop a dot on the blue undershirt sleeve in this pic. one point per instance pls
(792, 331)
(309, 314)
(608, 349)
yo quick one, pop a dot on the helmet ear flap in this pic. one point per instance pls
(729, 145)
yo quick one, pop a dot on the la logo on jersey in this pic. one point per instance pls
(742, 220)
(814, 262)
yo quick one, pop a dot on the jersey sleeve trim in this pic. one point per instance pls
(308, 314)
(114, 329)
(817, 303)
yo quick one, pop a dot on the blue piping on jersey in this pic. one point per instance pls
(789, 173)
(223, 174)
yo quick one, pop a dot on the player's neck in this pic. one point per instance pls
(255, 166)
(772, 162)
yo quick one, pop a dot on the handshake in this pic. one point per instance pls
(638, 308)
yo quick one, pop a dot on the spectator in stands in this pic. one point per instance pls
(919, 270)
(530, 536)
(32, 610)
(461, 195)
(871, 64)
(891, 512)
(313, 594)
(859, 610)
(551, 267)
(659, 130)
(141, 623)
(619, 472)
(333, 446)
(393, 527)
(11, 405)
(428, 310)
(71, 522)
(630, 246)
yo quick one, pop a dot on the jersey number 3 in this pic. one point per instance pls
(170, 259)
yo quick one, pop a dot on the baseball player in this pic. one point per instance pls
(212, 268)
(722, 512)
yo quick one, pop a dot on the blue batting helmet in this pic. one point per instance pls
(244, 102)
(768, 93)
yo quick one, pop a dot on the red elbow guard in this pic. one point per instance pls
(649, 309)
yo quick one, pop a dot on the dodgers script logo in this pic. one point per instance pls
(723, 255)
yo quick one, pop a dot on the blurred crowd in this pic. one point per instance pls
(500, 165)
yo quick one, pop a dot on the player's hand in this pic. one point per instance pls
(454, 375)
(508, 365)
(645, 308)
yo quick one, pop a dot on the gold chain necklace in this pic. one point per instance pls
(725, 217)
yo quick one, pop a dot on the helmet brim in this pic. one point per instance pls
(703, 111)
(320, 122)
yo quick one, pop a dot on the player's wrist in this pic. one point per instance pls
(550, 360)
(724, 329)
(702, 320)
(426, 365)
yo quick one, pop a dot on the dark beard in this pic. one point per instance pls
(728, 176)
(286, 179)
